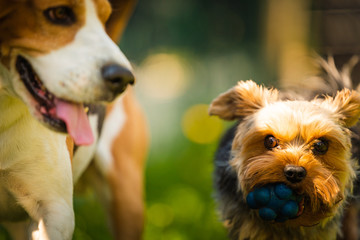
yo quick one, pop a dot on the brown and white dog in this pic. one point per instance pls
(58, 56)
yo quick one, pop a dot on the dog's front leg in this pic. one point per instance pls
(56, 222)
(43, 186)
(52, 216)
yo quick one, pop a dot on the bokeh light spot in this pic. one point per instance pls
(199, 127)
(160, 215)
(163, 76)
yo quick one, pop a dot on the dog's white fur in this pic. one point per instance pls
(113, 123)
(35, 164)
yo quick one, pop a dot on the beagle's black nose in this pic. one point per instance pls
(294, 174)
(117, 77)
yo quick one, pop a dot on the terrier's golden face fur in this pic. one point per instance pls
(273, 134)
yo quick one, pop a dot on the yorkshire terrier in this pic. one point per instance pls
(302, 145)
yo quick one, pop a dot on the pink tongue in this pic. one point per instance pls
(76, 120)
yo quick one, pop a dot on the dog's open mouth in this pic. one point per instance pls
(44, 98)
(60, 115)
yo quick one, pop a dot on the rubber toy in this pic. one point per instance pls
(275, 202)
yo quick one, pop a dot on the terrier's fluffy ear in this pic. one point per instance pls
(346, 104)
(242, 100)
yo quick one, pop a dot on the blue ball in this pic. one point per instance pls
(262, 196)
(267, 214)
(283, 191)
(250, 200)
(290, 209)
(275, 203)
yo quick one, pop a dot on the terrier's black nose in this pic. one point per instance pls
(117, 77)
(294, 174)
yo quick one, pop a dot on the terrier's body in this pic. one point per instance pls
(311, 138)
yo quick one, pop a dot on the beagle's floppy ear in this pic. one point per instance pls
(346, 106)
(242, 100)
(121, 12)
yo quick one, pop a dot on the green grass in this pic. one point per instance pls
(179, 194)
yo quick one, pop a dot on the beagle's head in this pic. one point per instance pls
(57, 56)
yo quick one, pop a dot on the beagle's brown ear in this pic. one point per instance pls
(121, 12)
(242, 100)
(345, 105)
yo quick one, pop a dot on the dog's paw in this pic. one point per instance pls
(275, 202)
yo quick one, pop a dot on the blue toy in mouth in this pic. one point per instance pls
(275, 202)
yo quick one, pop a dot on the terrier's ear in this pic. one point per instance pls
(346, 104)
(242, 100)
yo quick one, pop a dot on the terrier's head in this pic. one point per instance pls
(303, 144)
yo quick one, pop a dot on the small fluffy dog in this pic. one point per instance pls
(305, 145)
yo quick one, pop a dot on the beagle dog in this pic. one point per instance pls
(59, 65)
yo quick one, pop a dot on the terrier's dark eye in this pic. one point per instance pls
(60, 15)
(321, 146)
(270, 142)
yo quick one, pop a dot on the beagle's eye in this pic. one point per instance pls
(270, 142)
(321, 146)
(60, 15)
